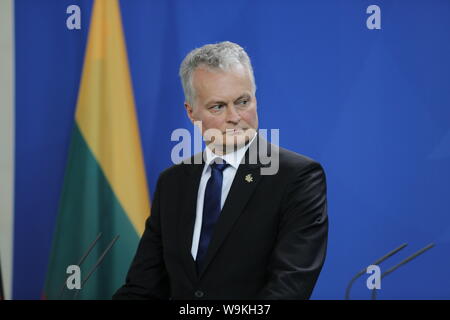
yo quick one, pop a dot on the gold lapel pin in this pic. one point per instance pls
(249, 178)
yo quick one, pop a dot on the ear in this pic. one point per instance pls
(189, 111)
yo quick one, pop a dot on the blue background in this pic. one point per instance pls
(373, 106)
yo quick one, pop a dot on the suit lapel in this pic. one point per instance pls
(244, 184)
(187, 217)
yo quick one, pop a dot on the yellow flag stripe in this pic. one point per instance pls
(106, 112)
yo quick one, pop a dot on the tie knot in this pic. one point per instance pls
(219, 166)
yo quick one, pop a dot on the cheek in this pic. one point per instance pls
(211, 122)
(251, 117)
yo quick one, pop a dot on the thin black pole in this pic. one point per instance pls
(2, 294)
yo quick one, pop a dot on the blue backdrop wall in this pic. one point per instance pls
(373, 106)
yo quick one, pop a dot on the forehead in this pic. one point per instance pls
(223, 84)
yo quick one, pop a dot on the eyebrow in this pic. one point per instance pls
(245, 95)
(214, 102)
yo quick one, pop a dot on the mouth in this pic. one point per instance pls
(234, 131)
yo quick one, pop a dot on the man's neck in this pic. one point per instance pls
(233, 157)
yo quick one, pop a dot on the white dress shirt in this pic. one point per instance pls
(233, 159)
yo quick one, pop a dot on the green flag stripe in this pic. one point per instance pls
(88, 206)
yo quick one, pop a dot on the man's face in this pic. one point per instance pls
(224, 101)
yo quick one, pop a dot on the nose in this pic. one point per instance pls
(233, 115)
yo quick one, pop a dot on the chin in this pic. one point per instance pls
(236, 141)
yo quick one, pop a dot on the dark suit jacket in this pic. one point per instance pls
(269, 242)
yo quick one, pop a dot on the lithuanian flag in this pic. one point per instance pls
(105, 188)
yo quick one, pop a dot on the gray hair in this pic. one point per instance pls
(222, 56)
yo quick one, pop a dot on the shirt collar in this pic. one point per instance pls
(233, 158)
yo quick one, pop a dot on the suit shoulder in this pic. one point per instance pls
(174, 169)
(178, 168)
(296, 161)
(292, 156)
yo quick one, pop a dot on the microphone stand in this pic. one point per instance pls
(99, 261)
(92, 245)
(415, 255)
(363, 271)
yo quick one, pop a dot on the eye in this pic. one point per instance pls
(243, 102)
(216, 108)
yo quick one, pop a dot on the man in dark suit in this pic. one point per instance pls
(221, 227)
